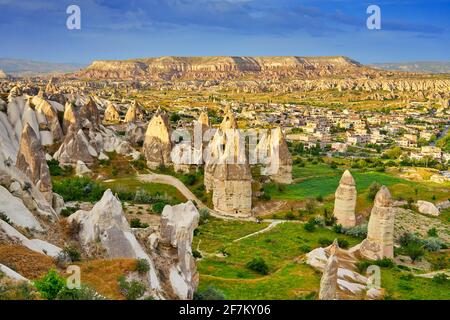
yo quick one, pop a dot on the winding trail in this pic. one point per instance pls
(272, 225)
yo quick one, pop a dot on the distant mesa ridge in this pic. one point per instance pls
(222, 67)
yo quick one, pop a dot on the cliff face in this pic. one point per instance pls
(226, 67)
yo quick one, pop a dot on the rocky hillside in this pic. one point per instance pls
(226, 67)
(3, 75)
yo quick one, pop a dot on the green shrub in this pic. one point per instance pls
(432, 244)
(415, 251)
(440, 278)
(409, 238)
(136, 223)
(359, 231)
(196, 254)
(50, 285)
(373, 190)
(338, 228)
(17, 291)
(305, 248)
(142, 266)
(343, 243)
(72, 253)
(432, 232)
(56, 170)
(4, 217)
(131, 290)
(289, 216)
(66, 212)
(258, 265)
(158, 207)
(310, 226)
(79, 189)
(209, 293)
(189, 179)
(323, 242)
(204, 216)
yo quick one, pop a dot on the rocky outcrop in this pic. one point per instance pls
(351, 285)
(48, 116)
(3, 75)
(224, 67)
(31, 160)
(75, 147)
(227, 171)
(345, 201)
(111, 114)
(276, 157)
(427, 208)
(135, 133)
(70, 117)
(329, 281)
(14, 209)
(11, 235)
(379, 243)
(157, 144)
(104, 231)
(134, 113)
(89, 115)
(177, 230)
(81, 169)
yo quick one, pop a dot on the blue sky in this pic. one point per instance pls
(120, 29)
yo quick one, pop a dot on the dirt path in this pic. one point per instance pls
(272, 225)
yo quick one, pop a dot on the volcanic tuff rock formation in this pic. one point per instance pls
(134, 113)
(70, 117)
(428, 208)
(172, 271)
(48, 115)
(379, 243)
(345, 201)
(224, 68)
(75, 147)
(350, 284)
(31, 160)
(157, 144)
(329, 280)
(230, 181)
(89, 115)
(111, 114)
(177, 230)
(278, 158)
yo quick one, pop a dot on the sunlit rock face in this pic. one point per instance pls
(105, 232)
(111, 114)
(31, 160)
(48, 116)
(379, 243)
(71, 117)
(157, 144)
(177, 231)
(90, 115)
(134, 113)
(229, 181)
(345, 201)
(75, 147)
(274, 153)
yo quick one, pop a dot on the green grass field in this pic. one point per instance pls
(279, 247)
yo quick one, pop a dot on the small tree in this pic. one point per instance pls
(415, 251)
(373, 190)
(310, 206)
(50, 285)
(258, 265)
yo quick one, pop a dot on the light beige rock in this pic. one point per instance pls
(329, 280)
(70, 117)
(75, 147)
(379, 243)
(31, 160)
(134, 113)
(111, 114)
(157, 144)
(427, 208)
(89, 115)
(278, 159)
(177, 230)
(345, 201)
(45, 108)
